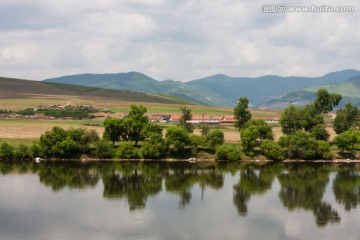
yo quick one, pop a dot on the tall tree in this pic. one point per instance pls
(325, 102)
(346, 118)
(186, 116)
(291, 119)
(241, 112)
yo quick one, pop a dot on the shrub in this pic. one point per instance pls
(214, 139)
(347, 140)
(228, 152)
(6, 151)
(22, 153)
(248, 139)
(126, 151)
(301, 145)
(177, 138)
(104, 149)
(272, 150)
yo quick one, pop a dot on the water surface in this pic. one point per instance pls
(112, 200)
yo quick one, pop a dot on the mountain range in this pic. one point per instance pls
(270, 91)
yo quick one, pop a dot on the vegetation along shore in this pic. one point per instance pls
(135, 135)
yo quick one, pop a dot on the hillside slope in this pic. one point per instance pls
(349, 90)
(216, 90)
(19, 88)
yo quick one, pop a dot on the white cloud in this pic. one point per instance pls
(181, 40)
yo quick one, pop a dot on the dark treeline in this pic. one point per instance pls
(302, 186)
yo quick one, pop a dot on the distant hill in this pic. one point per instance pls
(350, 90)
(216, 90)
(19, 88)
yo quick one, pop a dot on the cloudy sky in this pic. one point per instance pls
(175, 39)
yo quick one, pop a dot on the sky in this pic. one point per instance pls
(176, 39)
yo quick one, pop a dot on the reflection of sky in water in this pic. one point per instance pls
(30, 210)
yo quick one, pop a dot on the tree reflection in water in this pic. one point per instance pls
(303, 186)
(253, 180)
(346, 188)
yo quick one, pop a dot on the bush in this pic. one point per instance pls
(22, 153)
(67, 148)
(228, 152)
(6, 151)
(301, 145)
(214, 139)
(177, 139)
(126, 151)
(248, 139)
(104, 149)
(347, 140)
(272, 150)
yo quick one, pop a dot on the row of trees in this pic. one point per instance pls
(305, 133)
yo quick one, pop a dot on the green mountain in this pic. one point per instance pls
(21, 89)
(350, 91)
(216, 90)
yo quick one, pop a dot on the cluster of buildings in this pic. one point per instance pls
(224, 120)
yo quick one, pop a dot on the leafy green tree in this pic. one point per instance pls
(248, 138)
(22, 152)
(214, 139)
(104, 149)
(126, 151)
(228, 152)
(136, 122)
(186, 116)
(50, 138)
(290, 119)
(6, 151)
(301, 145)
(347, 140)
(272, 150)
(66, 148)
(241, 112)
(264, 129)
(310, 117)
(113, 129)
(177, 138)
(346, 118)
(154, 147)
(325, 102)
(320, 133)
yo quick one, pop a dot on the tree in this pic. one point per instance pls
(22, 152)
(325, 102)
(310, 117)
(347, 140)
(290, 119)
(6, 151)
(136, 122)
(346, 118)
(186, 116)
(126, 151)
(228, 152)
(104, 149)
(153, 147)
(177, 138)
(301, 145)
(113, 129)
(214, 139)
(272, 150)
(319, 132)
(241, 112)
(264, 129)
(248, 138)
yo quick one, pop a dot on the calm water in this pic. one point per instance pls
(179, 201)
